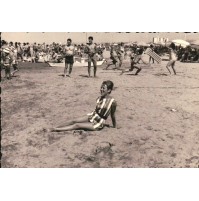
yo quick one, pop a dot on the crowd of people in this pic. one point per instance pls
(33, 52)
(14, 52)
(188, 54)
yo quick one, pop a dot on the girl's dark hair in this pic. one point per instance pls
(109, 84)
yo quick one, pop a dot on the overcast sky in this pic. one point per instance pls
(81, 37)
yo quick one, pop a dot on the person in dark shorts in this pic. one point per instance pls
(69, 57)
(91, 50)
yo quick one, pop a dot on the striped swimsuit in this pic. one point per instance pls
(101, 112)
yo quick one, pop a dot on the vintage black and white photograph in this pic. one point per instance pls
(99, 99)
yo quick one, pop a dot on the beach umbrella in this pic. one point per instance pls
(179, 42)
(195, 44)
(142, 44)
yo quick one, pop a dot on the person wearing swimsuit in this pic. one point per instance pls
(96, 120)
(173, 58)
(69, 58)
(91, 50)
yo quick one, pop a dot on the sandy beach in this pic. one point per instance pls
(157, 117)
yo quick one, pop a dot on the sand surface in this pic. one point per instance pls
(157, 116)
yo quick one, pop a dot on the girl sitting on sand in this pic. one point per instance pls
(96, 120)
(173, 58)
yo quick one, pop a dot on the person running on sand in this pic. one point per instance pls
(173, 58)
(91, 50)
(69, 57)
(106, 105)
(138, 56)
(136, 60)
(114, 58)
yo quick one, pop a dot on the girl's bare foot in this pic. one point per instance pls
(46, 130)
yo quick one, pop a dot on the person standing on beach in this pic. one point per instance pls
(173, 58)
(69, 57)
(20, 51)
(91, 50)
(151, 58)
(13, 54)
(7, 61)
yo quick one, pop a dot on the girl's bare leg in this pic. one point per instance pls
(77, 120)
(77, 126)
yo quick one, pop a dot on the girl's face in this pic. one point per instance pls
(104, 90)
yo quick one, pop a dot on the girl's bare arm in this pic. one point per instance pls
(113, 110)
